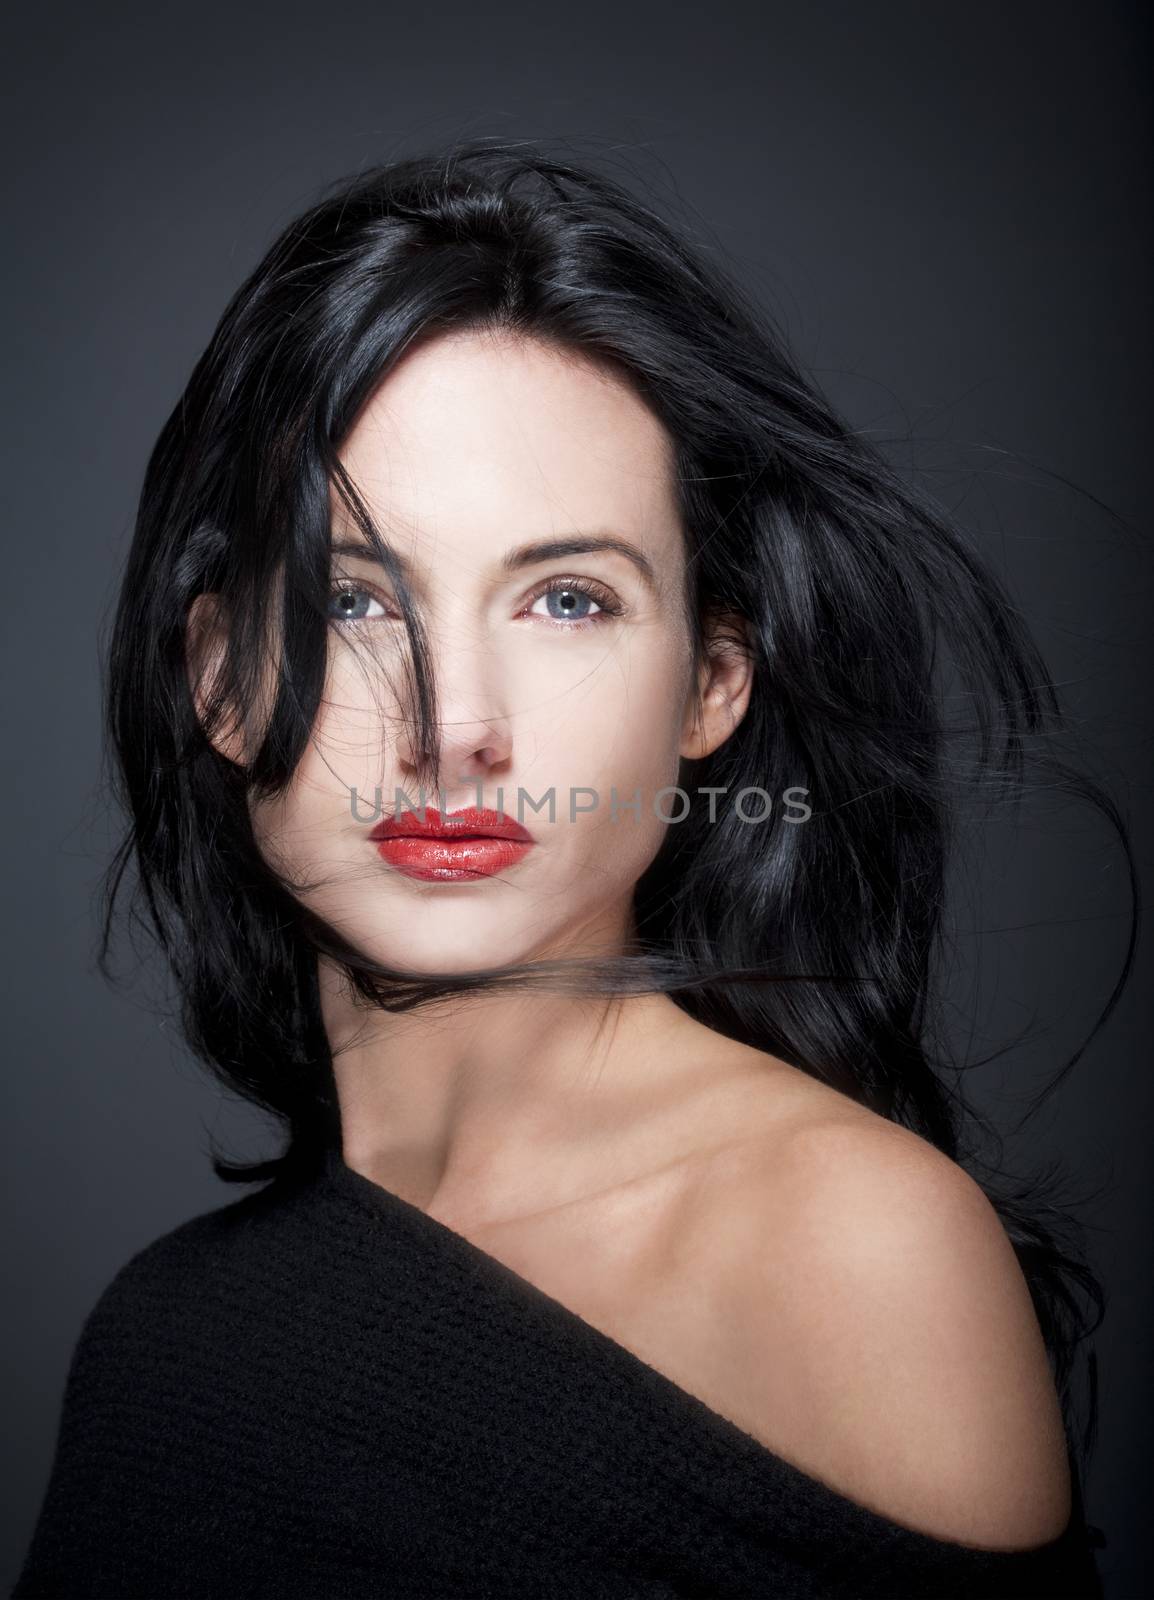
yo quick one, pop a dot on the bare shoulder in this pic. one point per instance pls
(880, 1332)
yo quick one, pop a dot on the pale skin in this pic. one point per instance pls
(828, 1281)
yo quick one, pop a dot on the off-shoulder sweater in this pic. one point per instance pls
(321, 1391)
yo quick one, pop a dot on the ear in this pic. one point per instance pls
(206, 640)
(722, 686)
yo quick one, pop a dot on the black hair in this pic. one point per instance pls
(867, 614)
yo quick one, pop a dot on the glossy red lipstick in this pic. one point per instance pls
(453, 848)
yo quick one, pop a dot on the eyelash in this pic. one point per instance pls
(608, 604)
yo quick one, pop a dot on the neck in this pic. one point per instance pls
(494, 1106)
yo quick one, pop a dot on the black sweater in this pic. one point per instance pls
(320, 1391)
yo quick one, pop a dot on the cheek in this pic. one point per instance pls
(358, 713)
(617, 733)
(342, 764)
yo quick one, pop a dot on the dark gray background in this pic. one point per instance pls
(948, 208)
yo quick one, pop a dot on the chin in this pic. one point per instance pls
(430, 953)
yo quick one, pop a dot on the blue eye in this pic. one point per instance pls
(567, 605)
(350, 603)
(575, 601)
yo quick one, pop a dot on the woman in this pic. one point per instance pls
(529, 698)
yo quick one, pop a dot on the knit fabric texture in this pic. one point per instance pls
(321, 1391)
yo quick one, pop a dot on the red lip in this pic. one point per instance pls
(468, 824)
(459, 846)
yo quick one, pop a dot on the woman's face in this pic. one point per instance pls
(564, 674)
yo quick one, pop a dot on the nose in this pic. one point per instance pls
(473, 729)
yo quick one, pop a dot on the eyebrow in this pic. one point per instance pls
(528, 555)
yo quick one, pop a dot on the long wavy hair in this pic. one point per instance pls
(893, 677)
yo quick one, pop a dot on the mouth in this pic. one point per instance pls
(457, 847)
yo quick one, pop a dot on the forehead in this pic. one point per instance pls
(491, 439)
